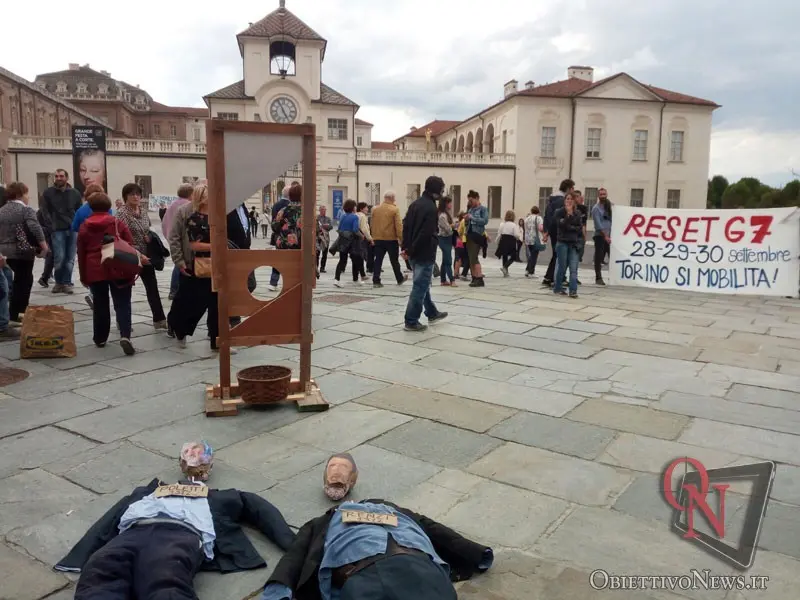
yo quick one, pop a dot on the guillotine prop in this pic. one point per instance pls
(243, 157)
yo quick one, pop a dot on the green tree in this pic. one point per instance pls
(716, 188)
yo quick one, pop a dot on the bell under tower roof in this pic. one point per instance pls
(280, 23)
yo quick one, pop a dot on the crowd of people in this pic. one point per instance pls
(68, 225)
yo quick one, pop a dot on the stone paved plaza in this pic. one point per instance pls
(536, 424)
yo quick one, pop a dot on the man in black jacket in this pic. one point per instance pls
(375, 549)
(239, 238)
(555, 203)
(59, 205)
(420, 241)
(152, 542)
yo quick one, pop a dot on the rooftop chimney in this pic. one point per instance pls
(73, 66)
(529, 85)
(413, 128)
(510, 88)
(106, 73)
(580, 72)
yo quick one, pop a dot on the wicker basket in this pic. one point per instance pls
(266, 384)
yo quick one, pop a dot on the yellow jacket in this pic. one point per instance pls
(386, 223)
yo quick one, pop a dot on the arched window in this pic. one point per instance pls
(447, 146)
(470, 142)
(282, 58)
(439, 148)
(461, 143)
(82, 87)
(479, 140)
(490, 139)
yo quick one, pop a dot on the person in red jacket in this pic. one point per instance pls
(97, 278)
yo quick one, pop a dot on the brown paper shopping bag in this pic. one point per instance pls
(47, 332)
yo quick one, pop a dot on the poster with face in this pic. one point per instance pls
(89, 157)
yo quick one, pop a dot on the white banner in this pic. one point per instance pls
(155, 202)
(753, 252)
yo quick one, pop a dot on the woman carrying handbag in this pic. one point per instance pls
(108, 265)
(190, 244)
(534, 225)
(21, 237)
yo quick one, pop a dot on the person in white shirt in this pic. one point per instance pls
(534, 226)
(507, 235)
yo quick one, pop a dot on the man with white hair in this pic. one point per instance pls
(387, 232)
(282, 203)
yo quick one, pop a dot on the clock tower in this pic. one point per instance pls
(282, 63)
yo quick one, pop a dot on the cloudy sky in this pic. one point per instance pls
(409, 61)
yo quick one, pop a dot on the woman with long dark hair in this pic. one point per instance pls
(446, 240)
(601, 215)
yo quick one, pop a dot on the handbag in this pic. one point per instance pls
(23, 239)
(202, 267)
(156, 251)
(119, 259)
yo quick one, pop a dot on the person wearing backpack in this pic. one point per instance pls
(103, 280)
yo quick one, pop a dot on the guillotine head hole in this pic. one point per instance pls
(263, 279)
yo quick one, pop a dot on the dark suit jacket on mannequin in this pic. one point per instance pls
(239, 238)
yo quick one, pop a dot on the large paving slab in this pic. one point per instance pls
(38, 447)
(275, 457)
(529, 342)
(435, 406)
(343, 427)
(30, 496)
(26, 579)
(507, 516)
(385, 349)
(122, 421)
(61, 381)
(579, 481)
(633, 419)
(550, 433)
(437, 444)
(22, 415)
(764, 396)
(414, 375)
(728, 411)
(749, 441)
(512, 396)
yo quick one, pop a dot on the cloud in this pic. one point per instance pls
(410, 61)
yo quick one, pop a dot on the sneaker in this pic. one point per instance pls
(416, 327)
(100, 345)
(182, 342)
(437, 317)
(377, 285)
(170, 332)
(322, 271)
(547, 283)
(599, 281)
(43, 283)
(160, 325)
(89, 301)
(58, 289)
(15, 322)
(12, 333)
(405, 278)
(338, 283)
(573, 294)
(475, 283)
(69, 289)
(127, 347)
(561, 293)
(504, 271)
(272, 288)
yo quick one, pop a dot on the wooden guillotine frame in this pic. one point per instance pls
(243, 157)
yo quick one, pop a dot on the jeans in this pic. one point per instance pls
(533, 257)
(6, 277)
(567, 255)
(64, 248)
(392, 249)
(176, 279)
(601, 248)
(148, 277)
(48, 260)
(446, 244)
(274, 277)
(420, 296)
(121, 297)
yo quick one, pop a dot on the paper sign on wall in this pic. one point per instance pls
(755, 252)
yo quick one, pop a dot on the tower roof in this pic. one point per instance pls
(281, 22)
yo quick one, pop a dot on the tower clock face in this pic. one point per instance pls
(283, 110)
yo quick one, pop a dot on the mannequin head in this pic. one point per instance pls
(340, 476)
(196, 460)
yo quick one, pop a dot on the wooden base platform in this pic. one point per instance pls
(227, 405)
